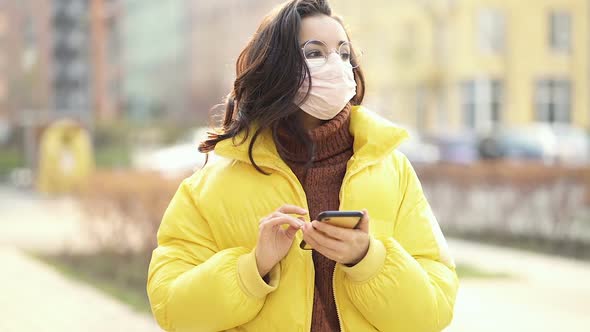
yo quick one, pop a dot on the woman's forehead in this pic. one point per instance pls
(322, 28)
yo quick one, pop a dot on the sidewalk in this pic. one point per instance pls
(30, 221)
(35, 297)
(546, 293)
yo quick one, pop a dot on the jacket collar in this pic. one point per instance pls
(374, 138)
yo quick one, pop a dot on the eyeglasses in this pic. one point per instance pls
(316, 53)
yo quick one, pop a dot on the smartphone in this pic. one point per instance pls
(345, 219)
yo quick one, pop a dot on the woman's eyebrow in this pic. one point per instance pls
(312, 41)
(315, 41)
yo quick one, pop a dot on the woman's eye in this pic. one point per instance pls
(345, 56)
(314, 55)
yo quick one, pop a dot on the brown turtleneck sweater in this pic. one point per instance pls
(321, 184)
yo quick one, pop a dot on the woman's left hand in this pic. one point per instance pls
(342, 245)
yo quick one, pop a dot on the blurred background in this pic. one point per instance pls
(102, 104)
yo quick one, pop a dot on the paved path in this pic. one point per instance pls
(30, 221)
(36, 297)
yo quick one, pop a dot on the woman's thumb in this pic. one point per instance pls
(364, 223)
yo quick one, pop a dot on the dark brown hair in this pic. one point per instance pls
(269, 72)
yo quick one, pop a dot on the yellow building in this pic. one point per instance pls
(472, 63)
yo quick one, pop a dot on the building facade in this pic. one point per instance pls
(107, 70)
(25, 59)
(471, 64)
(71, 74)
(518, 62)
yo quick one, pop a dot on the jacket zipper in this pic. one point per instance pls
(347, 177)
(336, 302)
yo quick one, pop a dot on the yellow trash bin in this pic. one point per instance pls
(65, 158)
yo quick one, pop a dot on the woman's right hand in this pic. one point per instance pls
(274, 241)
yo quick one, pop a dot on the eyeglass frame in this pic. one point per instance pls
(333, 50)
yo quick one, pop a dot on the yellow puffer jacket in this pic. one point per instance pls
(203, 274)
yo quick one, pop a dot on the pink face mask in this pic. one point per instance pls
(332, 87)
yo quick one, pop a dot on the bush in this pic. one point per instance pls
(513, 200)
(123, 209)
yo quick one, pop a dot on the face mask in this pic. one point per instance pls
(332, 87)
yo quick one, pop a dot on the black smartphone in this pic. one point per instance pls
(345, 219)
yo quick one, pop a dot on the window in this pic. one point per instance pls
(553, 100)
(482, 103)
(492, 30)
(560, 31)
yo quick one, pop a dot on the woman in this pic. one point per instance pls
(294, 142)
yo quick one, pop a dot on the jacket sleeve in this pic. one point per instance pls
(406, 282)
(192, 284)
